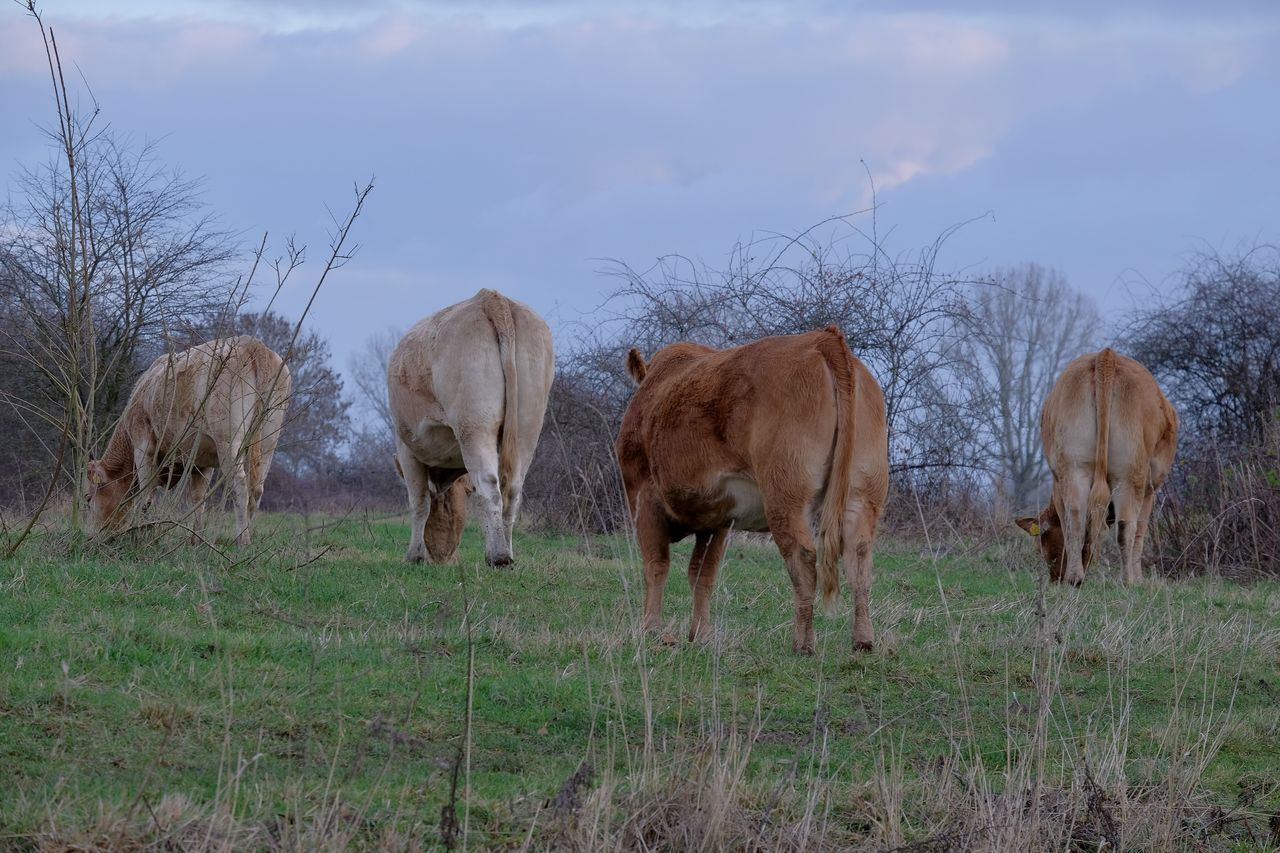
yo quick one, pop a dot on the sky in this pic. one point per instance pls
(516, 144)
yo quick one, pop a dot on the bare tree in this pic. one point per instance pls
(1022, 326)
(104, 250)
(368, 369)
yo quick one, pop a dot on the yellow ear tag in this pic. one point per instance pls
(1034, 529)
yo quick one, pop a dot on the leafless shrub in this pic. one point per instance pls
(1215, 349)
(898, 312)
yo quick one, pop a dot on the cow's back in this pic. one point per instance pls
(446, 375)
(208, 393)
(1140, 416)
(706, 427)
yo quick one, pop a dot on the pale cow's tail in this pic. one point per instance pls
(272, 386)
(839, 360)
(1104, 375)
(498, 309)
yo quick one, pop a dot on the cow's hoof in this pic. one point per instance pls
(862, 646)
(499, 560)
(805, 650)
(667, 639)
(413, 557)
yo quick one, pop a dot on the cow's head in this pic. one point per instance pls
(448, 516)
(1047, 528)
(1047, 531)
(108, 496)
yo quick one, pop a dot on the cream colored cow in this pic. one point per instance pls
(217, 405)
(1109, 436)
(468, 388)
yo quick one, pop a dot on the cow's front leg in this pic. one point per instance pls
(654, 540)
(146, 474)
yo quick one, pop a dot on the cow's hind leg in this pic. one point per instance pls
(708, 550)
(233, 472)
(512, 496)
(197, 492)
(417, 485)
(1073, 513)
(1140, 533)
(859, 539)
(1129, 503)
(480, 456)
(792, 535)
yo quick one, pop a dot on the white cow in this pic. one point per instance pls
(217, 405)
(468, 388)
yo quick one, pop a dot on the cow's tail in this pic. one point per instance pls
(271, 386)
(258, 414)
(498, 309)
(831, 522)
(1104, 374)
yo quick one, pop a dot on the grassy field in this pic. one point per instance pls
(315, 691)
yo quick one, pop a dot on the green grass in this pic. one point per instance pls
(321, 678)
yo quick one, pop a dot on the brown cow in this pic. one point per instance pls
(1109, 436)
(759, 437)
(220, 404)
(468, 388)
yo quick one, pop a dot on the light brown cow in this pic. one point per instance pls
(1109, 435)
(217, 405)
(758, 437)
(468, 388)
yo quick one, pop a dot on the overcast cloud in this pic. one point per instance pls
(513, 143)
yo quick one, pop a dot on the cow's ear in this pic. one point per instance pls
(1029, 524)
(94, 473)
(636, 366)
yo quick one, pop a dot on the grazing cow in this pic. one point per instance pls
(1109, 436)
(468, 387)
(765, 437)
(217, 405)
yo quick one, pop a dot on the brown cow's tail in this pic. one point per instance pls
(831, 522)
(1104, 374)
(498, 309)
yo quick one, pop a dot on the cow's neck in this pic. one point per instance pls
(117, 459)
